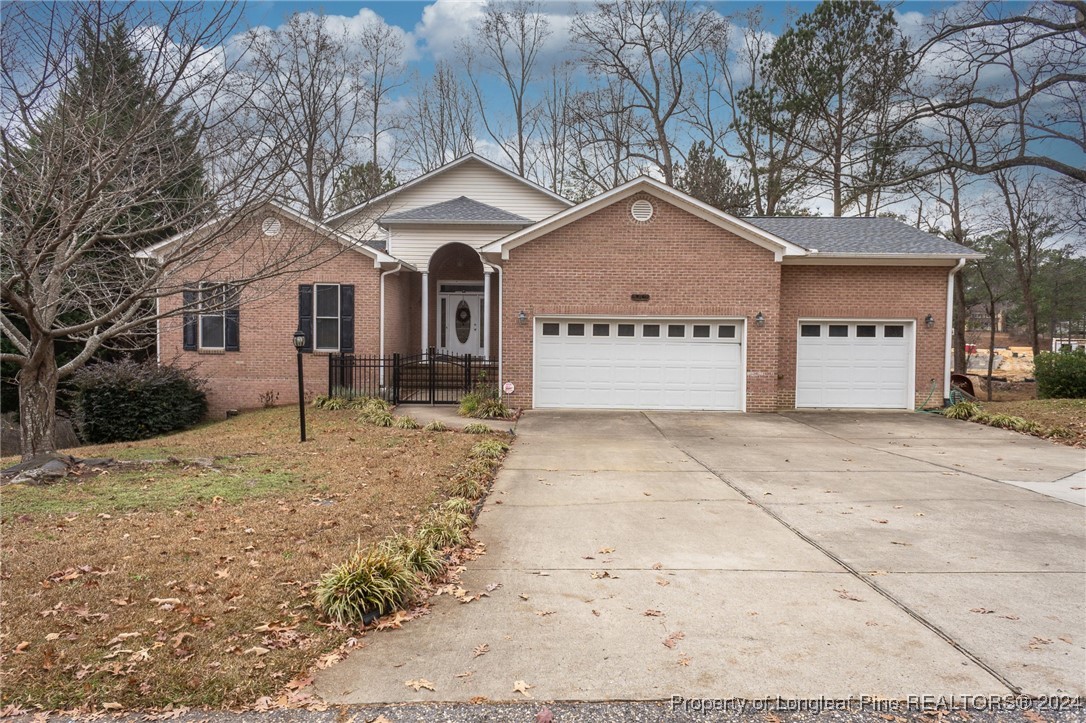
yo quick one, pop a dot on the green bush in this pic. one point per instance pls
(1061, 374)
(375, 579)
(458, 504)
(483, 402)
(476, 428)
(436, 426)
(124, 401)
(468, 487)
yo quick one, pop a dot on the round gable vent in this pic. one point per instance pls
(641, 210)
(271, 226)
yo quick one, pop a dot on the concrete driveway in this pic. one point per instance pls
(645, 555)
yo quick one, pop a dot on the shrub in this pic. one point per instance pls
(269, 398)
(477, 428)
(489, 449)
(374, 579)
(483, 402)
(471, 488)
(962, 410)
(406, 422)
(1061, 375)
(124, 401)
(462, 505)
(379, 418)
(322, 401)
(444, 528)
(436, 426)
(419, 557)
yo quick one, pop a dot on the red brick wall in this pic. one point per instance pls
(268, 315)
(688, 266)
(866, 292)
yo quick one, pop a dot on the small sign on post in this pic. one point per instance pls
(508, 388)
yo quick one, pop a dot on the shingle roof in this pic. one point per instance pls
(458, 210)
(857, 235)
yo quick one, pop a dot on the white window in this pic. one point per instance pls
(213, 316)
(326, 316)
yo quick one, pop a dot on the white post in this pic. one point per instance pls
(486, 313)
(425, 311)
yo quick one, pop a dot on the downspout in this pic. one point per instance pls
(381, 333)
(501, 320)
(949, 328)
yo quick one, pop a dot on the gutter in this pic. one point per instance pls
(949, 328)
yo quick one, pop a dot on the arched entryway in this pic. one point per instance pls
(457, 299)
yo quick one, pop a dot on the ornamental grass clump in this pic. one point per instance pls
(463, 505)
(476, 428)
(962, 410)
(375, 580)
(436, 426)
(406, 422)
(489, 449)
(418, 556)
(441, 529)
(468, 487)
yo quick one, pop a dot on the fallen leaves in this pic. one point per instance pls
(652, 613)
(606, 550)
(673, 639)
(419, 684)
(981, 611)
(846, 595)
(481, 649)
(603, 574)
(521, 687)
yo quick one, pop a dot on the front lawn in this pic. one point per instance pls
(1069, 414)
(188, 580)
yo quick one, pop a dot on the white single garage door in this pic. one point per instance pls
(854, 364)
(639, 364)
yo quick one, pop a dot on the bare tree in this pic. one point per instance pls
(604, 130)
(649, 45)
(442, 120)
(732, 92)
(1028, 216)
(84, 180)
(509, 37)
(308, 88)
(382, 52)
(555, 133)
(1021, 72)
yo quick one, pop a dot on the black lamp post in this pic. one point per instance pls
(299, 342)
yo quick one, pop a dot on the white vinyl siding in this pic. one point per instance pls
(472, 179)
(639, 364)
(857, 364)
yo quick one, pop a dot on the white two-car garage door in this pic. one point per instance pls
(639, 364)
(854, 364)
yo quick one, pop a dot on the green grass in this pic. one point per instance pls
(160, 487)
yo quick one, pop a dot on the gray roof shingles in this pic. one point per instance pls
(857, 235)
(457, 210)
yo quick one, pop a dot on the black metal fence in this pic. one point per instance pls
(431, 378)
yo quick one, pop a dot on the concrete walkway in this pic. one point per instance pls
(641, 556)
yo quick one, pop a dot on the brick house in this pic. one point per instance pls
(641, 297)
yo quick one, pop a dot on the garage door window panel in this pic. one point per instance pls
(575, 329)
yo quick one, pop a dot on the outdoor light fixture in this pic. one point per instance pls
(299, 342)
(759, 319)
(929, 321)
(522, 317)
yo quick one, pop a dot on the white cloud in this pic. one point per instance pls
(445, 22)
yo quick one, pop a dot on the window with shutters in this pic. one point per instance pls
(214, 300)
(326, 316)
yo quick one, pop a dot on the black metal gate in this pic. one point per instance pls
(430, 378)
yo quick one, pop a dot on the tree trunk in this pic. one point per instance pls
(961, 361)
(991, 344)
(38, 404)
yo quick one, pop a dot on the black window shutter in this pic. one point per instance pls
(305, 314)
(346, 318)
(189, 332)
(232, 331)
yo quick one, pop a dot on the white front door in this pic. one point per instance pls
(855, 364)
(461, 329)
(639, 363)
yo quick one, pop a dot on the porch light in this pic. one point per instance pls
(522, 318)
(299, 339)
(759, 319)
(929, 321)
